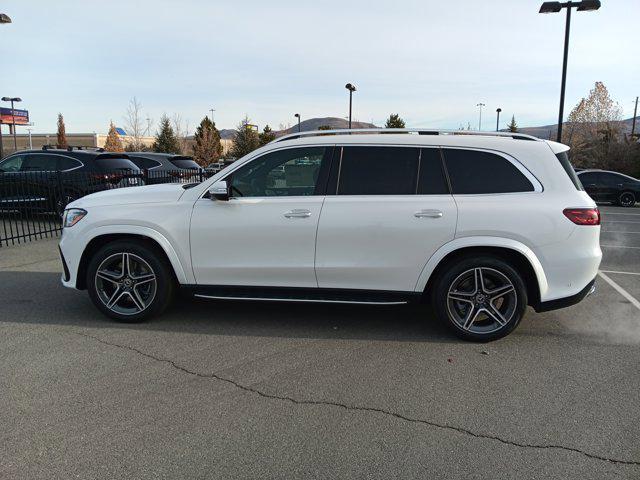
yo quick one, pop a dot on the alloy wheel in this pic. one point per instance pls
(481, 300)
(627, 199)
(125, 283)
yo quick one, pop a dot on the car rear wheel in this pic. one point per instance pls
(480, 298)
(129, 281)
(627, 199)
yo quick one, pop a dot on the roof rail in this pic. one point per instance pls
(418, 131)
(70, 148)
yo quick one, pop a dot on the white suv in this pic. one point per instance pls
(477, 225)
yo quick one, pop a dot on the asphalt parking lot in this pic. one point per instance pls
(233, 390)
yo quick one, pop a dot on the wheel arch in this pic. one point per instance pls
(515, 253)
(152, 238)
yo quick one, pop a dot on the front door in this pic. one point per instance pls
(265, 234)
(389, 212)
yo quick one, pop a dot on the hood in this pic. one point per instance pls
(168, 192)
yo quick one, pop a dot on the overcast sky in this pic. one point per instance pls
(428, 60)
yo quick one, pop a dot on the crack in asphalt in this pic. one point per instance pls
(344, 406)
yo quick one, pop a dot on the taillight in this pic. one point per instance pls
(583, 216)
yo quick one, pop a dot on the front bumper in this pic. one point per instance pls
(566, 301)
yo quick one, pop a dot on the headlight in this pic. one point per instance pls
(73, 216)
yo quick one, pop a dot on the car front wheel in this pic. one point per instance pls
(129, 281)
(480, 298)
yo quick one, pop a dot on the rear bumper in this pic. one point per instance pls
(566, 301)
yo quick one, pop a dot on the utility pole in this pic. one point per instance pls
(480, 105)
(30, 142)
(498, 110)
(212, 110)
(633, 123)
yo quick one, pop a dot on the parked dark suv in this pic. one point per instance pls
(165, 167)
(48, 179)
(605, 186)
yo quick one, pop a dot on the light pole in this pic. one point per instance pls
(351, 88)
(13, 118)
(498, 110)
(480, 105)
(212, 110)
(297, 115)
(555, 7)
(30, 142)
(633, 123)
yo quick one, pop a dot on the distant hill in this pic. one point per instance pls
(549, 131)
(308, 125)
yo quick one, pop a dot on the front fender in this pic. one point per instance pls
(482, 241)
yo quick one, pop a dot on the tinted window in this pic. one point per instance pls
(378, 171)
(612, 180)
(289, 172)
(13, 164)
(66, 163)
(588, 178)
(431, 180)
(41, 162)
(472, 171)
(563, 158)
(115, 163)
(142, 162)
(184, 163)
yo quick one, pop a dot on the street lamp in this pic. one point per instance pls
(480, 105)
(498, 110)
(212, 110)
(297, 115)
(351, 88)
(13, 118)
(555, 7)
(4, 18)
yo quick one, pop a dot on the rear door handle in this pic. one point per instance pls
(428, 214)
(298, 213)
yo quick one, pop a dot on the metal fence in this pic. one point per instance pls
(32, 203)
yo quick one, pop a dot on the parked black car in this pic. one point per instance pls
(165, 167)
(48, 179)
(605, 186)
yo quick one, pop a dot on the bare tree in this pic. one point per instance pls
(135, 125)
(181, 130)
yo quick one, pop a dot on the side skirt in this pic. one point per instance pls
(293, 294)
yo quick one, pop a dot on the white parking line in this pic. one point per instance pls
(622, 273)
(621, 213)
(616, 231)
(620, 221)
(620, 290)
(618, 246)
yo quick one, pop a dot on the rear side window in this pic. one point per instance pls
(431, 179)
(143, 162)
(589, 178)
(39, 163)
(378, 171)
(115, 163)
(186, 162)
(476, 172)
(563, 158)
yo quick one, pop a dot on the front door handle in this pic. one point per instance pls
(298, 213)
(428, 214)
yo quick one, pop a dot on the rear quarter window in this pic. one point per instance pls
(184, 162)
(563, 158)
(478, 172)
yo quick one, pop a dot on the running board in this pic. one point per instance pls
(311, 295)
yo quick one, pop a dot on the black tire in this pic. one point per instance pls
(145, 260)
(626, 199)
(487, 325)
(64, 199)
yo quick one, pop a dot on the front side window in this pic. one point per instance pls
(284, 173)
(378, 171)
(13, 164)
(477, 172)
(612, 180)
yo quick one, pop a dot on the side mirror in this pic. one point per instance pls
(219, 191)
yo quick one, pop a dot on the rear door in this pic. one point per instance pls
(592, 184)
(387, 210)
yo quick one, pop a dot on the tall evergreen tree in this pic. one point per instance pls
(113, 142)
(208, 147)
(246, 139)
(62, 135)
(166, 139)
(512, 126)
(394, 121)
(267, 135)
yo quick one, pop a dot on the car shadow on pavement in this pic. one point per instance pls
(39, 298)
